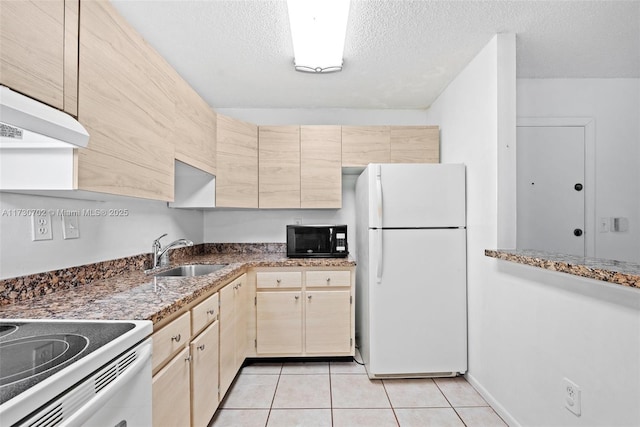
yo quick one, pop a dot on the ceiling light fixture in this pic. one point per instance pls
(318, 29)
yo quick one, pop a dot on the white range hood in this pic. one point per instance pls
(37, 144)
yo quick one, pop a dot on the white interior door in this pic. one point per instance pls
(550, 189)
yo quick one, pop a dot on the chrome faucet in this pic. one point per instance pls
(159, 258)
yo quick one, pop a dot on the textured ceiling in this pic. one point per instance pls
(398, 53)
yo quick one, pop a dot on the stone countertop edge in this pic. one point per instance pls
(617, 272)
(140, 296)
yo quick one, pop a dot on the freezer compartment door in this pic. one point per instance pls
(418, 311)
(416, 195)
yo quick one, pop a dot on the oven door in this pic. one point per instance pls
(117, 395)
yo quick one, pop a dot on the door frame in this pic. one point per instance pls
(588, 124)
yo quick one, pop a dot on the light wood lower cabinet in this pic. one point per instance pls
(185, 385)
(204, 376)
(171, 392)
(279, 322)
(327, 321)
(233, 330)
(312, 316)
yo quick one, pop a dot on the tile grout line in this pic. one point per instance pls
(275, 390)
(393, 409)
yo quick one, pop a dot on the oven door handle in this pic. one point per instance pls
(92, 406)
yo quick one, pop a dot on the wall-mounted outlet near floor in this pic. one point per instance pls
(41, 227)
(572, 396)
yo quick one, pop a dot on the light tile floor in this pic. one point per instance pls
(338, 393)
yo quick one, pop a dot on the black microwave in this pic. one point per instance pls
(317, 241)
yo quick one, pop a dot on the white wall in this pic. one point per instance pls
(528, 327)
(614, 105)
(101, 238)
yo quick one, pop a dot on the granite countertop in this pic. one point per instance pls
(134, 295)
(617, 272)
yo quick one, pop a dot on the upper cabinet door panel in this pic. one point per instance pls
(362, 145)
(320, 167)
(32, 49)
(415, 144)
(279, 166)
(126, 103)
(237, 156)
(194, 133)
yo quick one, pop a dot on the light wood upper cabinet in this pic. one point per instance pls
(39, 50)
(362, 145)
(194, 130)
(279, 166)
(237, 163)
(415, 144)
(126, 103)
(320, 167)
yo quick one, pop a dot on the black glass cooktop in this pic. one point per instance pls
(33, 351)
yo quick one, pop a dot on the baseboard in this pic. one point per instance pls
(500, 410)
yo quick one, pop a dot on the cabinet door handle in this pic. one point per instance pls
(211, 311)
(309, 297)
(296, 296)
(176, 338)
(188, 358)
(328, 280)
(278, 282)
(201, 347)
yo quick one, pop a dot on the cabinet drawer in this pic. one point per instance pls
(281, 279)
(204, 313)
(328, 278)
(170, 339)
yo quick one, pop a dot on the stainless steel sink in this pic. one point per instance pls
(191, 270)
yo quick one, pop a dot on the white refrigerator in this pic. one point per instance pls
(411, 296)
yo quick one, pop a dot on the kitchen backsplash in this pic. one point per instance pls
(31, 286)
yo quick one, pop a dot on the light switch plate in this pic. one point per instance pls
(70, 227)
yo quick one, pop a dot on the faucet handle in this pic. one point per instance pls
(157, 241)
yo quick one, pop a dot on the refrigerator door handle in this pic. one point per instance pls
(379, 249)
(379, 195)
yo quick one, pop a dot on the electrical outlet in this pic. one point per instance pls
(41, 227)
(297, 221)
(572, 396)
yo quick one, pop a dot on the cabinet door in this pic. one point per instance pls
(362, 145)
(328, 321)
(227, 338)
(204, 376)
(126, 103)
(415, 144)
(194, 132)
(279, 322)
(237, 163)
(241, 308)
(279, 166)
(171, 393)
(32, 41)
(320, 167)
